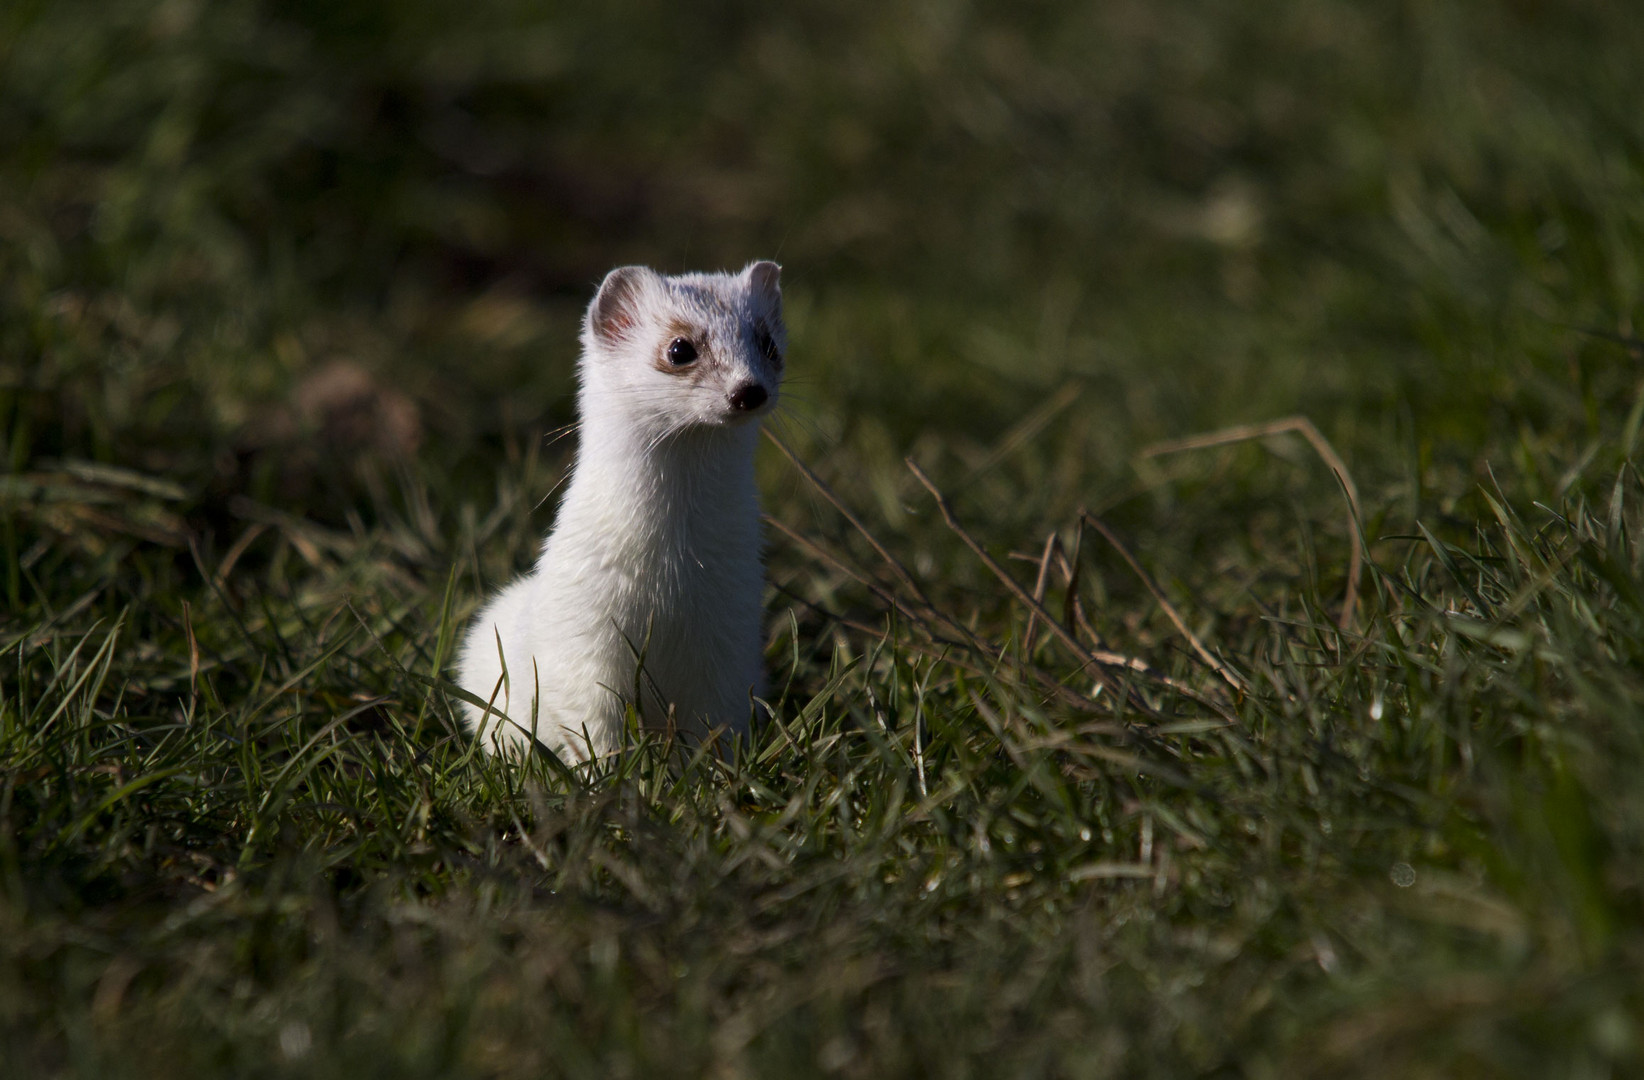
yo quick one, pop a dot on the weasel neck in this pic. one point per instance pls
(694, 487)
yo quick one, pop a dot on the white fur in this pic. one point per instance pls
(656, 549)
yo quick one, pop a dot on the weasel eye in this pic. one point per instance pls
(681, 352)
(767, 345)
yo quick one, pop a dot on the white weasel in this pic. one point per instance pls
(656, 550)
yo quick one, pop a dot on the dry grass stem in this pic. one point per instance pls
(1040, 583)
(1029, 426)
(1293, 425)
(927, 609)
(1062, 633)
(902, 573)
(1227, 674)
(885, 596)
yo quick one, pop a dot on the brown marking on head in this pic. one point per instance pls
(679, 330)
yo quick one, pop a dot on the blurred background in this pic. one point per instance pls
(289, 298)
(245, 242)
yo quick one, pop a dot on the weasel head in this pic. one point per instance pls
(664, 354)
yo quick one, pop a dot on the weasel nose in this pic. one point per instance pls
(748, 397)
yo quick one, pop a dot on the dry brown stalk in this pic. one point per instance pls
(1292, 425)
(1054, 625)
(955, 652)
(836, 562)
(1029, 426)
(896, 567)
(226, 567)
(927, 610)
(1053, 547)
(1074, 616)
(1039, 585)
(1073, 609)
(1232, 679)
(925, 613)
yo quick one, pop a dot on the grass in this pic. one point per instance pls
(1076, 766)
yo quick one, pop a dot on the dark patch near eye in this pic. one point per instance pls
(767, 344)
(680, 352)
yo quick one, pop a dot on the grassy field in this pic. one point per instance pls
(288, 302)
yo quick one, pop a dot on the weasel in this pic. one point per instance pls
(648, 589)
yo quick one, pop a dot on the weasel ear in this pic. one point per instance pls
(615, 310)
(766, 278)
